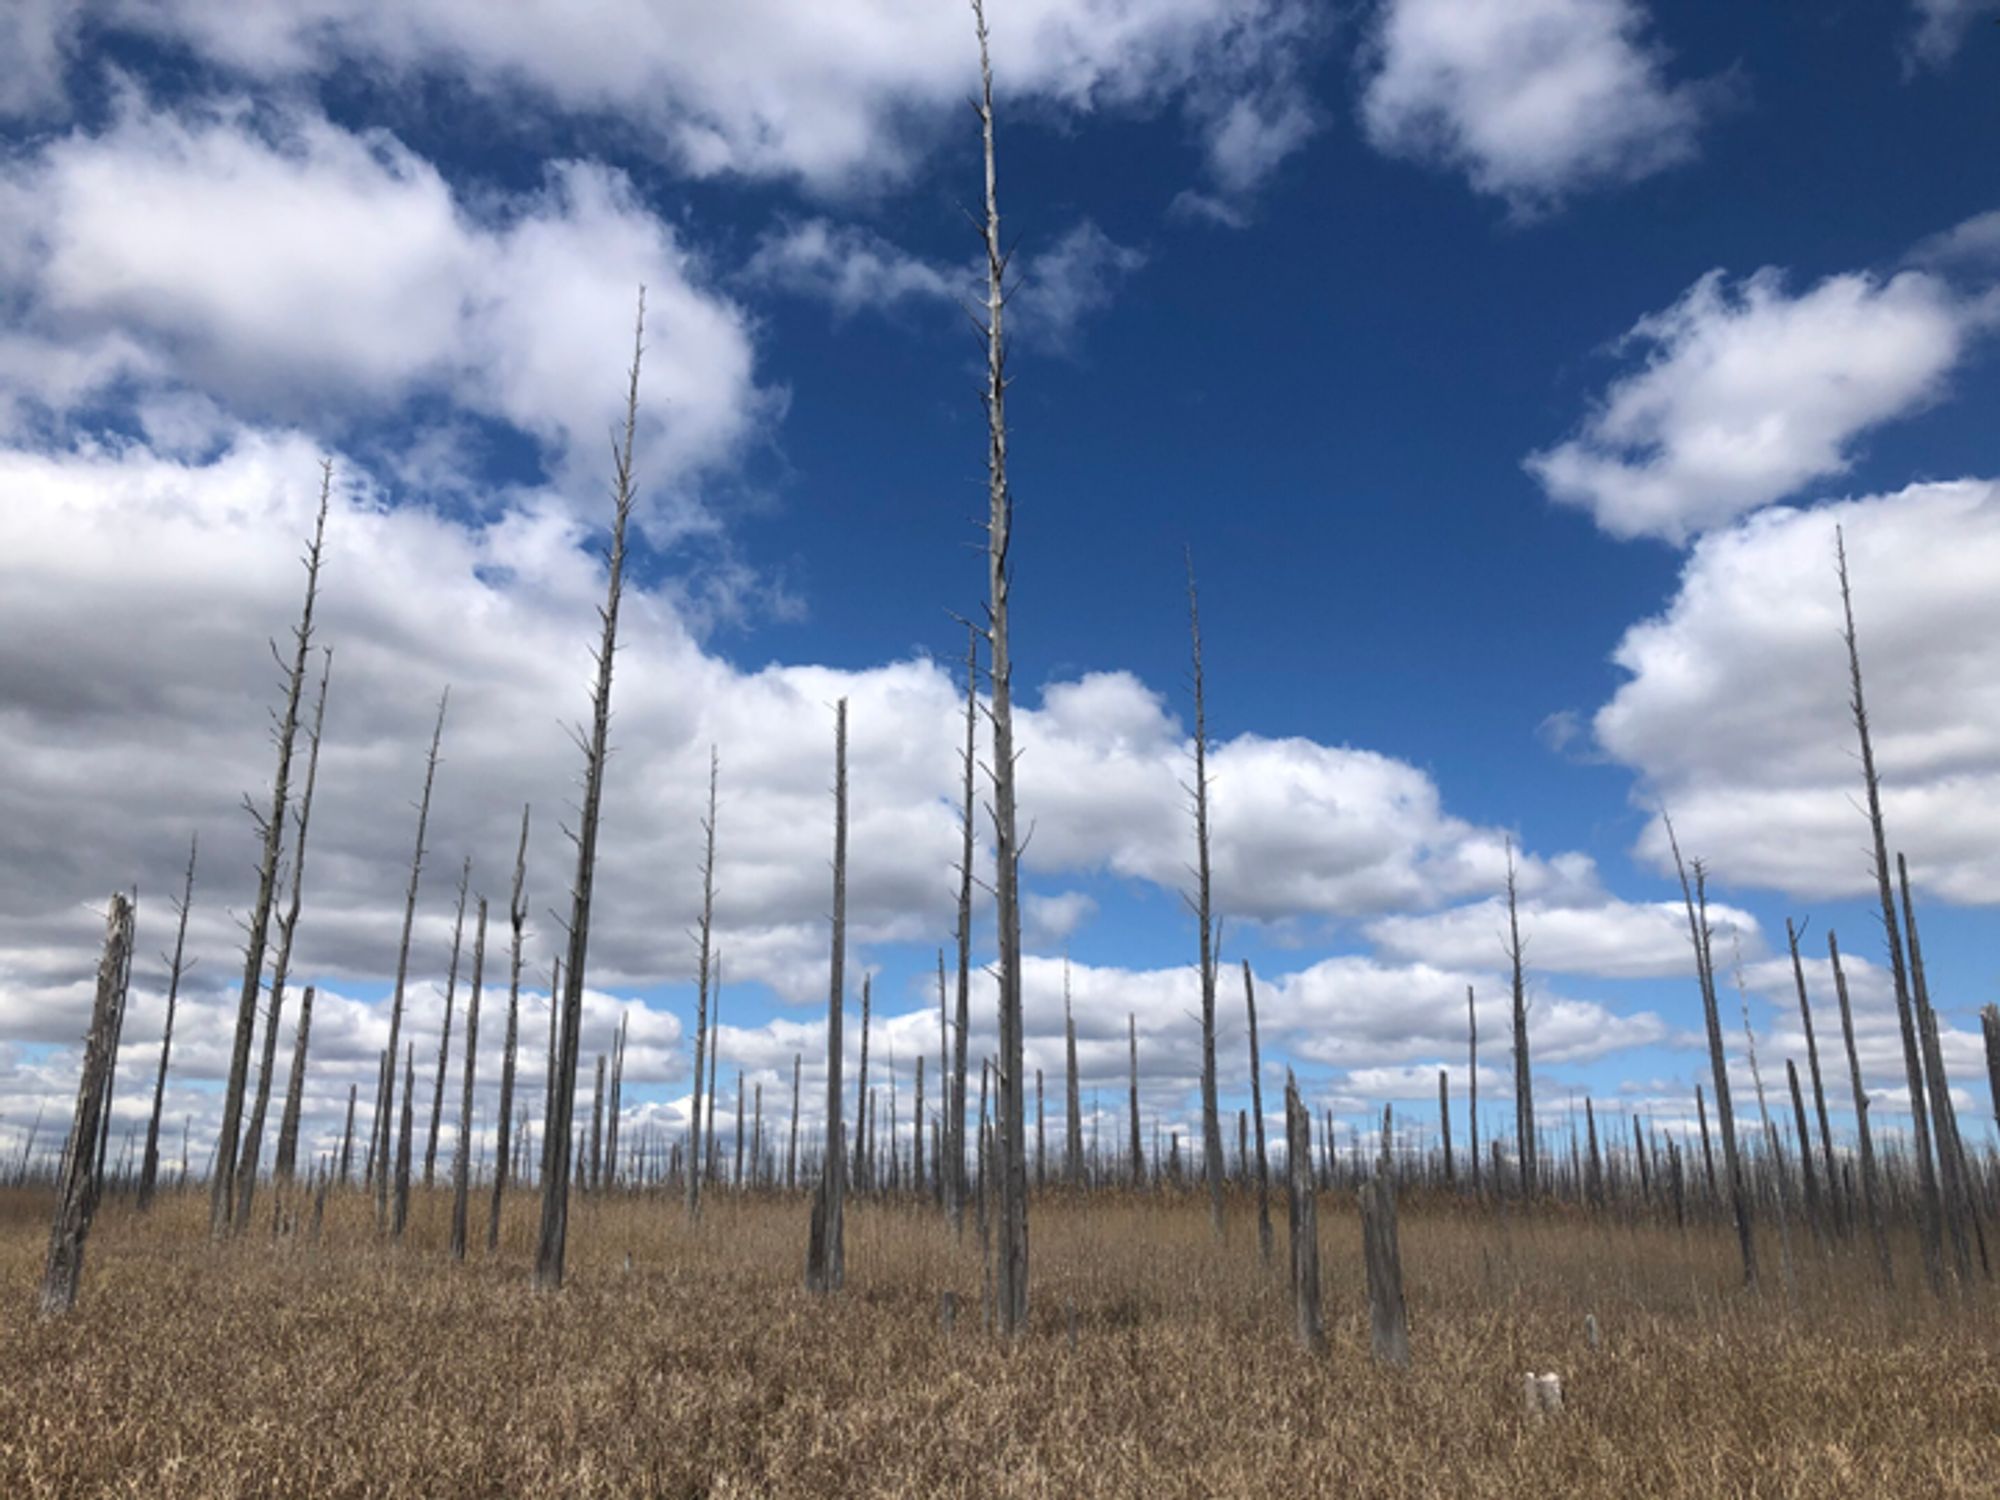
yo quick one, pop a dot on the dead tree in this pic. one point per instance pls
(955, 1101)
(1303, 1219)
(385, 1114)
(1389, 1323)
(1137, 1148)
(517, 918)
(1257, 1109)
(461, 1166)
(377, 1120)
(288, 924)
(1830, 1172)
(1444, 1126)
(792, 1147)
(295, 1086)
(861, 1162)
(1524, 1083)
(1931, 1207)
(401, 1216)
(1695, 897)
(1073, 1095)
(917, 1132)
(594, 1169)
(444, 1035)
(1957, 1197)
(1200, 902)
(1816, 1208)
(710, 1157)
(1472, 1087)
(1011, 1281)
(703, 937)
(117, 1035)
(347, 1136)
(271, 829)
(826, 1254)
(1989, 1025)
(80, 1179)
(554, 1236)
(177, 966)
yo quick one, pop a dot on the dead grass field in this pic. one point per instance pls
(282, 1368)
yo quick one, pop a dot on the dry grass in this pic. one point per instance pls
(266, 1368)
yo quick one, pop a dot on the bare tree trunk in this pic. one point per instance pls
(1696, 899)
(386, 1112)
(1389, 1324)
(1211, 1125)
(826, 1258)
(1011, 1284)
(401, 1217)
(1041, 1137)
(1472, 1086)
(962, 1014)
(1989, 1025)
(792, 1147)
(117, 1037)
(347, 1136)
(617, 1104)
(1304, 1220)
(1444, 1126)
(1524, 1082)
(737, 1175)
(594, 1170)
(378, 1120)
(1832, 1174)
(149, 1169)
(1132, 1107)
(79, 1181)
(517, 917)
(917, 1133)
(295, 1087)
(461, 1165)
(554, 1236)
(288, 925)
(1815, 1207)
(444, 1036)
(271, 829)
(1257, 1110)
(1073, 1098)
(1958, 1208)
(1931, 1218)
(703, 938)
(710, 1158)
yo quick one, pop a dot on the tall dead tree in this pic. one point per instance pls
(177, 966)
(1073, 1094)
(861, 1162)
(295, 1088)
(400, 1217)
(387, 1112)
(617, 1106)
(955, 1101)
(1257, 1109)
(270, 827)
(295, 1083)
(1524, 1082)
(1389, 1326)
(1472, 1086)
(517, 918)
(461, 1165)
(117, 1036)
(1695, 896)
(1931, 1206)
(554, 1236)
(1830, 1172)
(80, 1180)
(1957, 1199)
(710, 1157)
(1011, 1279)
(703, 937)
(1211, 1124)
(444, 1034)
(288, 925)
(792, 1146)
(1989, 1026)
(1303, 1218)
(347, 1135)
(826, 1251)
(1137, 1147)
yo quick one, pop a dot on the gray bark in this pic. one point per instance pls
(1388, 1321)
(1257, 1110)
(1211, 1124)
(703, 938)
(461, 1166)
(1137, 1148)
(1524, 1083)
(1073, 1095)
(444, 1036)
(1829, 1170)
(149, 1169)
(1303, 1220)
(295, 1088)
(826, 1259)
(962, 1015)
(517, 918)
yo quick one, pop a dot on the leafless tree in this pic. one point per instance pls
(517, 918)
(1524, 1080)
(444, 1035)
(177, 967)
(1211, 1125)
(1132, 1105)
(461, 1166)
(955, 1101)
(861, 1163)
(1257, 1110)
(1072, 1094)
(826, 1257)
(270, 827)
(1830, 1172)
(704, 937)
(555, 1178)
(1472, 1085)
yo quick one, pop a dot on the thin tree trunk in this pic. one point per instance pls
(1524, 1083)
(271, 828)
(347, 1136)
(1871, 1187)
(1989, 1025)
(917, 1132)
(79, 1181)
(704, 936)
(1257, 1110)
(1011, 1283)
(517, 917)
(1132, 1107)
(1389, 1325)
(792, 1147)
(594, 1177)
(1957, 1198)
(1304, 1220)
(295, 1087)
(1073, 1096)
(1931, 1219)
(710, 1158)
(861, 1145)
(1211, 1125)
(826, 1261)
(461, 1166)
(962, 1014)
(554, 1237)
(150, 1165)
(444, 1036)
(616, 1106)
(376, 1120)
(1472, 1086)
(401, 1216)
(386, 1112)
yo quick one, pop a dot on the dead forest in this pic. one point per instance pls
(913, 1285)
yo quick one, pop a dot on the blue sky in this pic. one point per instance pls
(1457, 340)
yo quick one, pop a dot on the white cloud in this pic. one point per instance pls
(1942, 26)
(1607, 939)
(833, 95)
(1735, 708)
(284, 265)
(1747, 393)
(1532, 99)
(34, 34)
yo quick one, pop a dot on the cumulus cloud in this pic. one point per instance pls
(1734, 709)
(1608, 939)
(1746, 393)
(833, 96)
(1532, 99)
(288, 268)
